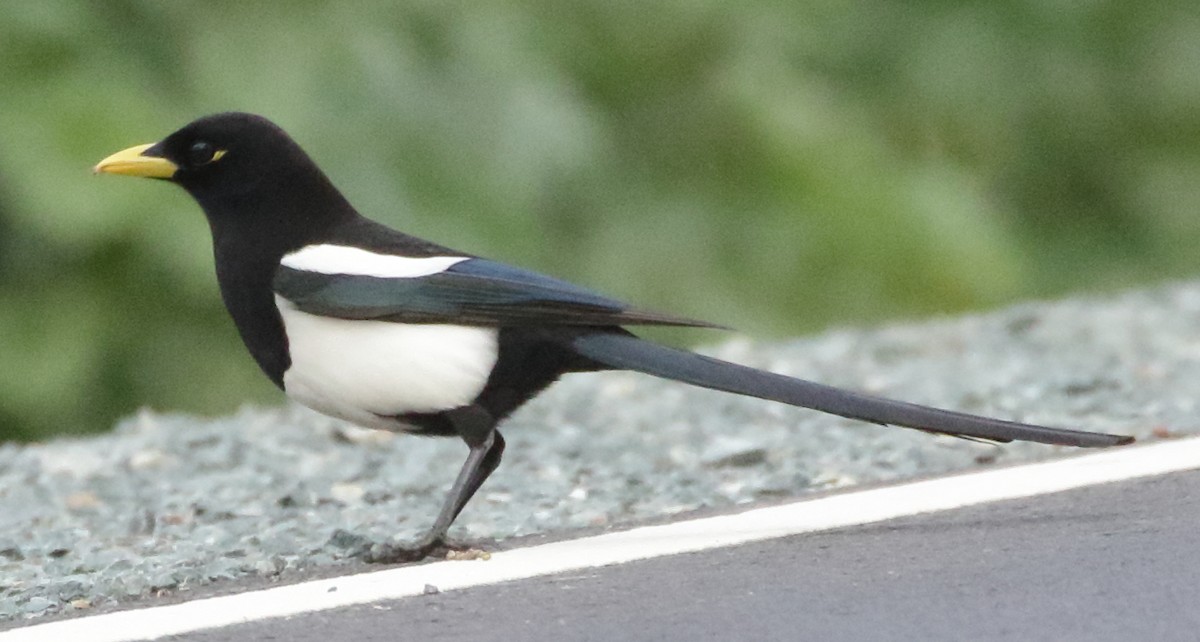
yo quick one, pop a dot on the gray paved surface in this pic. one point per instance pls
(1115, 562)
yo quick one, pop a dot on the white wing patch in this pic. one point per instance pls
(363, 371)
(341, 259)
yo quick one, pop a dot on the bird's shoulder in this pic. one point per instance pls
(373, 236)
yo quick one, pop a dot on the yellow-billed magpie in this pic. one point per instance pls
(364, 323)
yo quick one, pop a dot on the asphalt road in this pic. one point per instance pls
(1110, 562)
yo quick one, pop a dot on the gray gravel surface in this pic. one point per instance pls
(166, 503)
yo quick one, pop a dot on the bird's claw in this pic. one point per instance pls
(385, 553)
(388, 553)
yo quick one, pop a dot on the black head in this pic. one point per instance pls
(239, 167)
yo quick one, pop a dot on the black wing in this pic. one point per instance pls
(473, 292)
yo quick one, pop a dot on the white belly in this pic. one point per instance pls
(363, 371)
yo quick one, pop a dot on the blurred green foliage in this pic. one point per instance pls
(773, 165)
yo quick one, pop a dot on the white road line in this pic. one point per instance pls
(834, 511)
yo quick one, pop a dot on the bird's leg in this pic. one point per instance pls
(464, 489)
(478, 430)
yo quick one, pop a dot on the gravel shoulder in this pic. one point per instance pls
(168, 503)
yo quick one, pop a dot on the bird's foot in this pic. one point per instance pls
(388, 553)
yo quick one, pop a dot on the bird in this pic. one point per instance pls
(367, 324)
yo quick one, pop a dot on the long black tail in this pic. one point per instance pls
(627, 352)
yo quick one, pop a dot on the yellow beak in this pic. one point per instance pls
(131, 162)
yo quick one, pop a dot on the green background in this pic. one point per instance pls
(774, 166)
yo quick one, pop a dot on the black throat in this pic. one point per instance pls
(252, 230)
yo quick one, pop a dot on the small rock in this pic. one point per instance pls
(498, 497)
(75, 462)
(163, 581)
(36, 605)
(347, 493)
(147, 459)
(431, 589)
(83, 500)
(175, 519)
(266, 567)
(467, 555)
(346, 540)
(729, 451)
(70, 590)
(348, 434)
(131, 585)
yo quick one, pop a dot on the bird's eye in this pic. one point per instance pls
(203, 153)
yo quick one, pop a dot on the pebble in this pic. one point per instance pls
(36, 605)
(729, 451)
